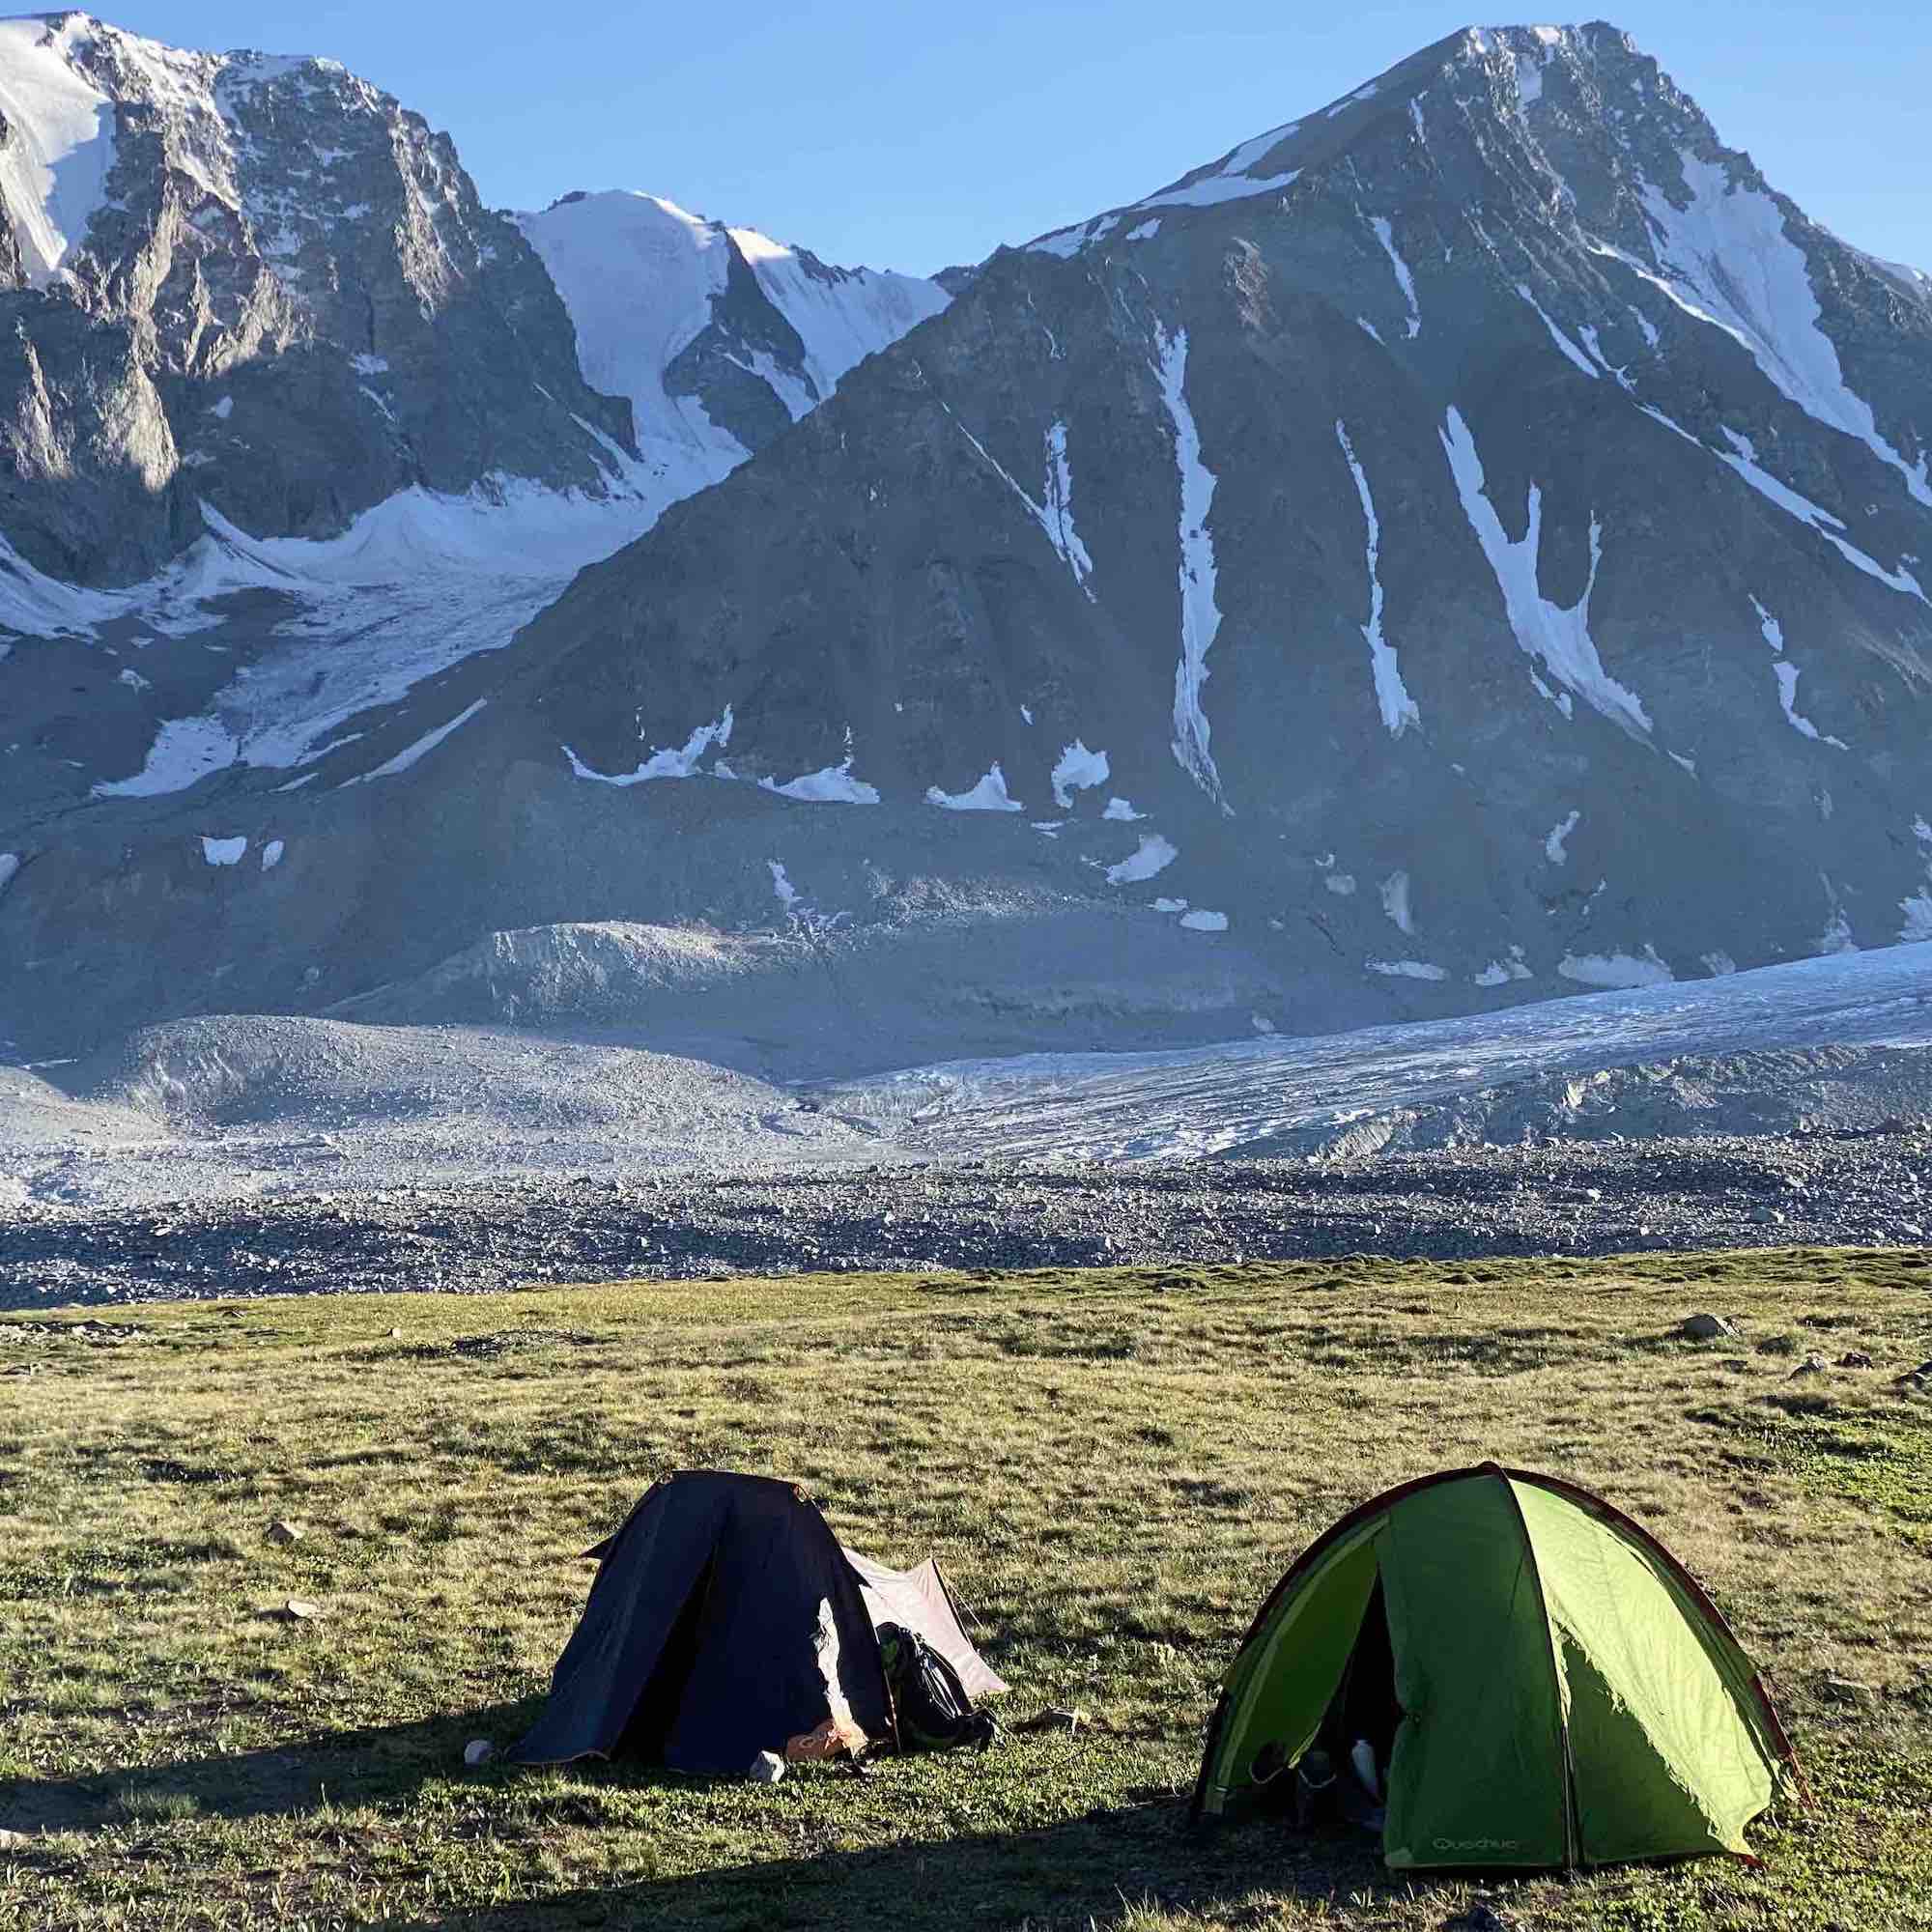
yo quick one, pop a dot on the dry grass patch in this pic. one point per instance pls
(1112, 1465)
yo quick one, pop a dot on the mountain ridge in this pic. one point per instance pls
(1470, 548)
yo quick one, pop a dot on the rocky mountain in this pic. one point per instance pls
(294, 421)
(259, 285)
(1463, 546)
(717, 337)
(1477, 530)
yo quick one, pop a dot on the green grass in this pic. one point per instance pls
(1114, 1466)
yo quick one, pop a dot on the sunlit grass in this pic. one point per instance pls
(1112, 1464)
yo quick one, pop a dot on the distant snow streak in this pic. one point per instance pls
(422, 747)
(1386, 234)
(1786, 674)
(1741, 459)
(1556, 335)
(1730, 249)
(1398, 708)
(1199, 615)
(1054, 515)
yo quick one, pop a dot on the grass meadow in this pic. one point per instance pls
(1112, 1465)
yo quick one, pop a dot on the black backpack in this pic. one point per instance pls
(933, 1709)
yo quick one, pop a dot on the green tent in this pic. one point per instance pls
(1532, 1678)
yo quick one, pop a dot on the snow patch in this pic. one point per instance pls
(1837, 934)
(1500, 972)
(639, 275)
(674, 762)
(1121, 811)
(1155, 854)
(1204, 921)
(1408, 969)
(1615, 969)
(989, 794)
(223, 851)
(1170, 905)
(1212, 190)
(9, 864)
(184, 751)
(834, 785)
(1395, 902)
(271, 854)
(1556, 637)
(1078, 770)
(1554, 845)
(1398, 708)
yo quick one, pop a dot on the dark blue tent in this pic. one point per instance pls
(725, 1621)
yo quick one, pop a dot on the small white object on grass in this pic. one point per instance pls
(768, 1768)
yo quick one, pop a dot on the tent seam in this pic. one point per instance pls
(1573, 1815)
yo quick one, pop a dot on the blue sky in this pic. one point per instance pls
(909, 136)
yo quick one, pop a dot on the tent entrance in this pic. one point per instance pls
(1364, 1707)
(647, 1729)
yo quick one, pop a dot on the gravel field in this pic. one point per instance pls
(1864, 1188)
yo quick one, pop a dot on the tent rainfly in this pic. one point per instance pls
(1532, 1678)
(725, 1619)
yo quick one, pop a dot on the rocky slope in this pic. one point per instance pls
(296, 423)
(1464, 545)
(1480, 529)
(259, 284)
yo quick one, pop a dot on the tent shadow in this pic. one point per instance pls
(1090, 1871)
(292, 1779)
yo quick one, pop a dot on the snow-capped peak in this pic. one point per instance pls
(672, 309)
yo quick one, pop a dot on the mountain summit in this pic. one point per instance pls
(1465, 545)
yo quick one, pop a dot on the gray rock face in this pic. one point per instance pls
(1466, 546)
(282, 298)
(1482, 526)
